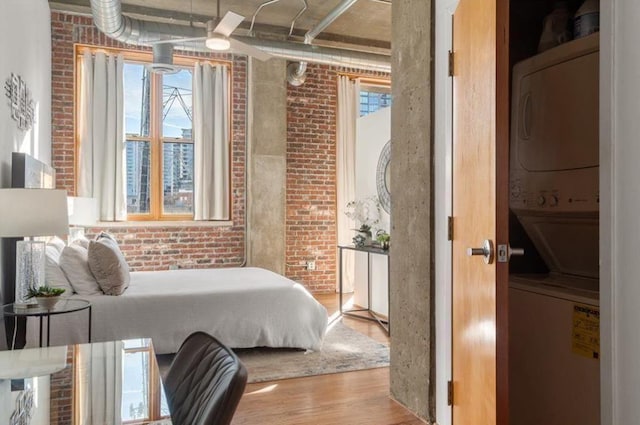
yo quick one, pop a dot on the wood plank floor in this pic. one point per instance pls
(351, 398)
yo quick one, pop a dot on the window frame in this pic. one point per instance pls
(155, 138)
(371, 84)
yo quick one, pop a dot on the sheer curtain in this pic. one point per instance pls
(211, 142)
(348, 112)
(99, 374)
(101, 149)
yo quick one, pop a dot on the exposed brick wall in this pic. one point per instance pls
(147, 248)
(61, 397)
(311, 177)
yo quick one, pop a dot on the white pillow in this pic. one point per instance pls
(75, 265)
(82, 241)
(53, 274)
(56, 243)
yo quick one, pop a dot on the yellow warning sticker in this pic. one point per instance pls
(585, 339)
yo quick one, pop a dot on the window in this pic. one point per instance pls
(159, 145)
(158, 125)
(143, 398)
(374, 97)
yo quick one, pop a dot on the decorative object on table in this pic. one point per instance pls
(383, 178)
(383, 238)
(33, 213)
(20, 101)
(359, 240)
(83, 212)
(365, 212)
(46, 296)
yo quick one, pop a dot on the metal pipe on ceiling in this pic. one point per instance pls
(334, 14)
(107, 16)
(297, 73)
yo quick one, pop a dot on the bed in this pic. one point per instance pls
(243, 307)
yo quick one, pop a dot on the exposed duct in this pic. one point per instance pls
(107, 16)
(297, 74)
(162, 60)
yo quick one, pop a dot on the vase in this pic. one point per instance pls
(48, 303)
(368, 241)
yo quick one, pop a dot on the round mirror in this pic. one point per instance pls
(383, 177)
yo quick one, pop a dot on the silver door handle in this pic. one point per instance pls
(486, 251)
(505, 252)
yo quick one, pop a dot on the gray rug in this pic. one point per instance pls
(343, 350)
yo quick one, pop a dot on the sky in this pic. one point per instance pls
(176, 118)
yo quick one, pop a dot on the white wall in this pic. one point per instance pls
(373, 132)
(25, 49)
(620, 211)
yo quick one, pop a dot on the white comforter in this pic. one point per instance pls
(242, 307)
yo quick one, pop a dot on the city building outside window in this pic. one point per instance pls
(374, 97)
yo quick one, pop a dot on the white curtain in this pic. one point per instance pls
(99, 375)
(348, 112)
(211, 142)
(101, 149)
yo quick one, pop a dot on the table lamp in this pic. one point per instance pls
(83, 212)
(31, 213)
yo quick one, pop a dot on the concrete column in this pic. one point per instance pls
(412, 245)
(266, 164)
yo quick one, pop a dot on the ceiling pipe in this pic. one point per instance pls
(107, 16)
(297, 72)
(334, 14)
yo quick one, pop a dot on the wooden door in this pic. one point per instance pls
(480, 211)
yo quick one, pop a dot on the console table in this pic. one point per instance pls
(358, 312)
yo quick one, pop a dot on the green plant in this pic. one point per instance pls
(382, 236)
(383, 239)
(45, 291)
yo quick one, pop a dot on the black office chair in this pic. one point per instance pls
(205, 382)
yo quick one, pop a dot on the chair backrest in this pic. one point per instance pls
(205, 382)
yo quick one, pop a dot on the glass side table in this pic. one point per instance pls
(64, 306)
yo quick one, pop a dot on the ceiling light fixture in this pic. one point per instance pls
(218, 42)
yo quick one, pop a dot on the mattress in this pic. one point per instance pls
(242, 307)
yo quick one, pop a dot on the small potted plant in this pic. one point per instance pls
(383, 239)
(46, 296)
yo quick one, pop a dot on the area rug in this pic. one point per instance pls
(343, 350)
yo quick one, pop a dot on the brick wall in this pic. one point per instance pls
(61, 397)
(147, 248)
(311, 177)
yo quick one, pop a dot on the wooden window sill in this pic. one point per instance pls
(166, 223)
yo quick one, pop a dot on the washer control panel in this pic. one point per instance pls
(567, 191)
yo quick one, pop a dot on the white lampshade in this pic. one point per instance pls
(217, 42)
(33, 212)
(82, 211)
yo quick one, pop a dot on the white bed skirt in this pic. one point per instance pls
(242, 307)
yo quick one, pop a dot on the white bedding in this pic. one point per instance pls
(243, 307)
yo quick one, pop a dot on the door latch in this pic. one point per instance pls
(505, 252)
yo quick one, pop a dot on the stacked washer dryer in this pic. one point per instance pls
(553, 318)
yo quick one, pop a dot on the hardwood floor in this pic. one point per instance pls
(351, 398)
